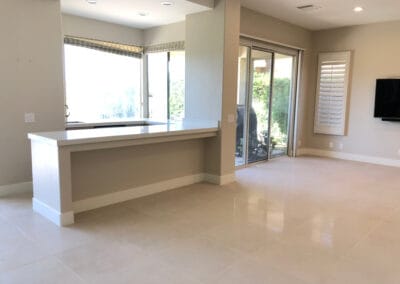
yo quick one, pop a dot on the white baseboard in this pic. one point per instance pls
(220, 180)
(58, 218)
(120, 196)
(349, 156)
(125, 195)
(16, 188)
(67, 218)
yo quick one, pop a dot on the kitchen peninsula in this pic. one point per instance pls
(79, 170)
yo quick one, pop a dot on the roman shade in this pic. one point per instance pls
(107, 46)
(170, 46)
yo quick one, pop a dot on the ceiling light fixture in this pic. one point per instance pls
(143, 14)
(167, 3)
(309, 8)
(358, 9)
(92, 1)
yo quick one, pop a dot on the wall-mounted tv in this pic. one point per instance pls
(387, 99)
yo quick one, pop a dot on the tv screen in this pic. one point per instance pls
(387, 98)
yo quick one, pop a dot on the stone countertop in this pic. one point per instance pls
(109, 134)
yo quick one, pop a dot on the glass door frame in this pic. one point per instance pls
(249, 98)
(246, 116)
(296, 54)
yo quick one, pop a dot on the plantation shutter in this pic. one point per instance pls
(332, 90)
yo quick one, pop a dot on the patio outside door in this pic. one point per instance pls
(265, 96)
(260, 104)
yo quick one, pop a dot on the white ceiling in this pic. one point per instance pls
(125, 12)
(332, 13)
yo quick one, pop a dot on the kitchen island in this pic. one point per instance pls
(79, 170)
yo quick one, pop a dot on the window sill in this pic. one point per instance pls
(86, 125)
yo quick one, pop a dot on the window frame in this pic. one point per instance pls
(146, 94)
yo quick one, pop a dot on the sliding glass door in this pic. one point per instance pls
(280, 108)
(266, 89)
(259, 101)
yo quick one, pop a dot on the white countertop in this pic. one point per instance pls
(98, 135)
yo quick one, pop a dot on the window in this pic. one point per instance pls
(101, 86)
(332, 90)
(166, 84)
(104, 81)
(158, 85)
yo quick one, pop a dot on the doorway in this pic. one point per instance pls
(265, 102)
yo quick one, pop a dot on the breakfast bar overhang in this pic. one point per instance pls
(79, 170)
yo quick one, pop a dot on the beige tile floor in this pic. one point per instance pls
(305, 220)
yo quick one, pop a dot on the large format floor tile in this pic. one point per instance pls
(298, 221)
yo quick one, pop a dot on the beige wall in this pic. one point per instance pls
(204, 64)
(212, 40)
(375, 50)
(100, 172)
(273, 30)
(88, 28)
(31, 80)
(229, 86)
(163, 34)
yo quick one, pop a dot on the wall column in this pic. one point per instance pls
(212, 45)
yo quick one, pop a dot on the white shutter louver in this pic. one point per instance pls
(332, 89)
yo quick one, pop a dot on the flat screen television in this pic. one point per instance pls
(387, 99)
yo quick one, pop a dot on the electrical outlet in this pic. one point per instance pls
(231, 118)
(331, 144)
(29, 117)
(341, 146)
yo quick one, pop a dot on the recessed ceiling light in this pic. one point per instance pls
(143, 14)
(358, 9)
(92, 1)
(309, 8)
(167, 3)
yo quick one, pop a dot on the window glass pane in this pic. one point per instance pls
(101, 86)
(177, 85)
(258, 126)
(282, 91)
(158, 85)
